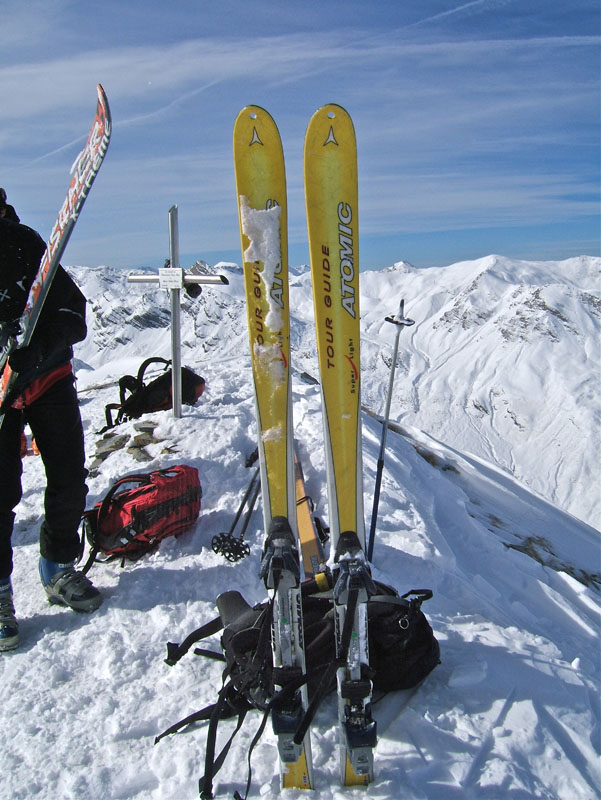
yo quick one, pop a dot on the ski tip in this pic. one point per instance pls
(330, 125)
(332, 113)
(332, 110)
(102, 98)
(255, 130)
(253, 113)
(104, 111)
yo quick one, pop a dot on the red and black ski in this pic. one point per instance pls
(84, 172)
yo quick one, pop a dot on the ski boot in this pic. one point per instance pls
(9, 629)
(66, 586)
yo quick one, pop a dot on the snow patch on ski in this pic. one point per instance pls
(273, 434)
(262, 228)
(271, 360)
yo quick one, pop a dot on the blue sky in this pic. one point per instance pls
(477, 122)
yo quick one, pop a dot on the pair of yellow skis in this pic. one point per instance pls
(332, 215)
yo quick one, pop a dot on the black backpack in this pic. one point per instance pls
(137, 398)
(402, 647)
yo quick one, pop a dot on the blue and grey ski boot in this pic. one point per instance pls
(9, 629)
(66, 586)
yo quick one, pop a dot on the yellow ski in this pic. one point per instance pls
(261, 192)
(332, 217)
(332, 220)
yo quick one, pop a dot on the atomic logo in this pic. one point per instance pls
(331, 138)
(255, 138)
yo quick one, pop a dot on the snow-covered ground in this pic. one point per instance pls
(491, 477)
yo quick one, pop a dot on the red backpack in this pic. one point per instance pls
(132, 520)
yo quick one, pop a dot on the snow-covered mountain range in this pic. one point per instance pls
(490, 497)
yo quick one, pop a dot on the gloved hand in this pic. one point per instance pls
(25, 359)
(8, 331)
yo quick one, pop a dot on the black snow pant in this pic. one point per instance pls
(56, 426)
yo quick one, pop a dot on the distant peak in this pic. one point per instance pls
(402, 266)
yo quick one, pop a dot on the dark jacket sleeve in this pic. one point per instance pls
(62, 320)
(61, 324)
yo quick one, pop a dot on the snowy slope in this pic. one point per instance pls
(513, 709)
(503, 362)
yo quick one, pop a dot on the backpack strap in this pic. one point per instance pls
(228, 701)
(127, 383)
(327, 676)
(421, 595)
(256, 737)
(277, 701)
(212, 764)
(109, 417)
(141, 478)
(198, 716)
(92, 519)
(412, 606)
(89, 522)
(145, 364)
(213, 714)
(176, 651)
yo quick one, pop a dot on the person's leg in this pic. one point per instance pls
(10, 495)
(55, 423)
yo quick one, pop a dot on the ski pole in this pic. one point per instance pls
(401, 321)
(244, 501)
(222, 543)
(242, 549)
(234, 548)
